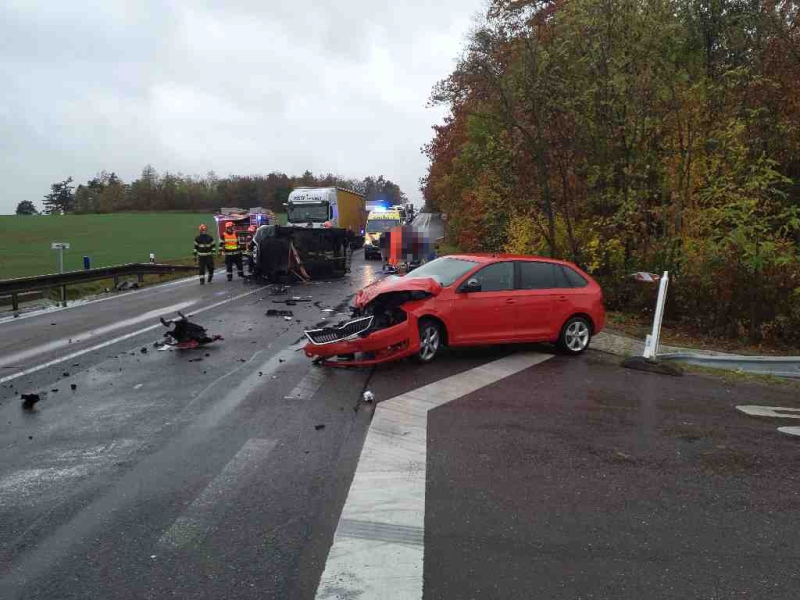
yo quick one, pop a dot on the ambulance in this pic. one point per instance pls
(379, 220)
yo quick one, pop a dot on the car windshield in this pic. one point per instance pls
(445, 270)
(378, 225)
(303, 213)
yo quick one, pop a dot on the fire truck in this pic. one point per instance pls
(242, 219)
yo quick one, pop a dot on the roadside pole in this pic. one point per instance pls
(652, 340)
(61, 246)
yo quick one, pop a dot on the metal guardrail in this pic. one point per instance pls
(14, 287)
(779, 366)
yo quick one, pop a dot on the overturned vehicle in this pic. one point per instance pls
(282, 253)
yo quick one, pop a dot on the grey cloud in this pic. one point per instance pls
(237, 87)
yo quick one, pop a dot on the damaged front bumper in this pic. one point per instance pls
(370, 347)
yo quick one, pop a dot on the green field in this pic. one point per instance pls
(107, 239)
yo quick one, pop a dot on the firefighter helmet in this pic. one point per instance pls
(228, 224)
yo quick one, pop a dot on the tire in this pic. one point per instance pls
(576, 335)
(430, 337)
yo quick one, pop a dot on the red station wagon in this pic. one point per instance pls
(465, 300)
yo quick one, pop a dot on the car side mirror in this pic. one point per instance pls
(473, 285)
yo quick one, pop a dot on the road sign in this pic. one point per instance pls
(59, 246)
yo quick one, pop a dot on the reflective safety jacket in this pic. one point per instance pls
(230, 243)
(204, 245)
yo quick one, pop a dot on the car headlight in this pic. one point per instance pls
(368, 242)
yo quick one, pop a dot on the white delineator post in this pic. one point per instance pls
(651, 343)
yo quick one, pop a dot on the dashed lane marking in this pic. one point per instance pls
(199, 518)
(378, 548)
(309, 385)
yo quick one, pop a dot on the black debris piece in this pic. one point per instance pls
(242, 360)
(207, 355)
(65, 374)
(187, 334)
(198, 359)
(260, 374)
(54, 390)
(52, 323)
(143, 350)
(76, 364)
(279, 290)
(28, 400)
(73, 387)
(639, 363)
(204, 372)
(279, 313)
(281, 360)
(30, 437)
(318, 427)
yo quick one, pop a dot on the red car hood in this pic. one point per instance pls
(396, 284)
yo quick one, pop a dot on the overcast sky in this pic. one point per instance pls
(237, 86)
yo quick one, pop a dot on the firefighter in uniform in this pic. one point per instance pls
(204, 254)
(229, 246)
(248, 248)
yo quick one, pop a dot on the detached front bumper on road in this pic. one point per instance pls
(371, 347)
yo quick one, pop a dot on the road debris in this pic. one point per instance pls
(368, 397)
(319, 427)
(138, 386)
(198, 359)
(143, 350)
(65, 374)
(126, 285)
(54, 390)
(639, 363)
(187, 335)
(274, 312)
(28, 400)
(73, 387)
(278, 290)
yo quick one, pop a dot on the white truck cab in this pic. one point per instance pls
(312, 207)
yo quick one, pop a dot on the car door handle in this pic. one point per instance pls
(510, 301)
(562, 298)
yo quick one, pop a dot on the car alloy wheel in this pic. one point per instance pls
(430, 340)
(576, 335)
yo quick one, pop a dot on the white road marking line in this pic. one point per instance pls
(198, 519)
(24, 355)
(116, 340)
(775, 412)
(378, 549)
(309, 385)
(795, 431)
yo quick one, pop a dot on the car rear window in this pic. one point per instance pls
(561, 277)
(575, 280)
(536, 276)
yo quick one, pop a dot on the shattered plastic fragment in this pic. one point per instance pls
(369, 396)
(318, 427)
(28, 400)
(272, 312)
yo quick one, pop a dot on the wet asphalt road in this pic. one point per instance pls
(158, 477)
